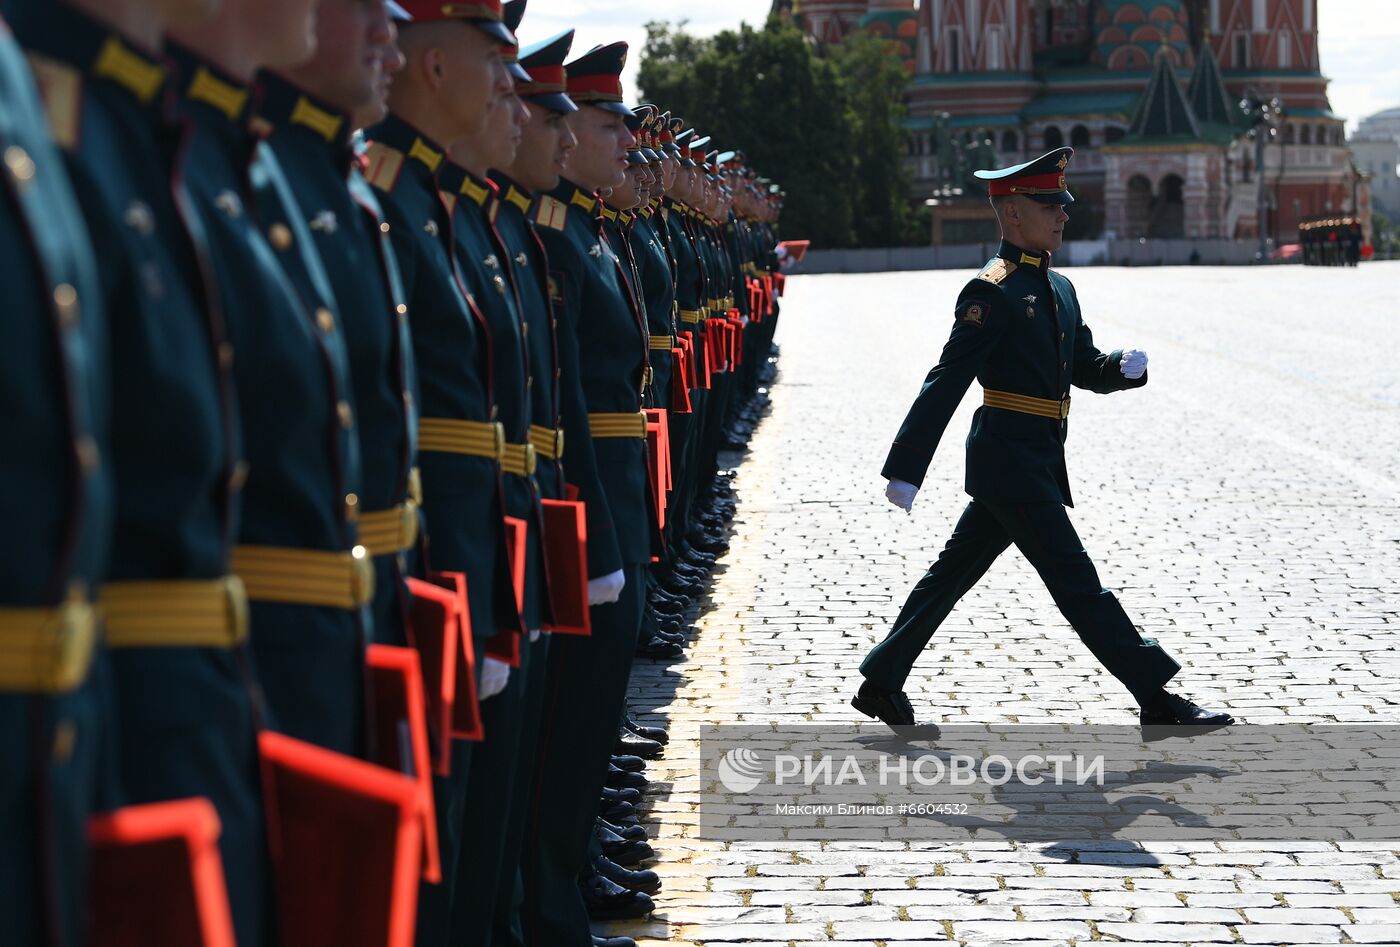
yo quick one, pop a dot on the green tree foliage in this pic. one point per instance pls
(827, 128)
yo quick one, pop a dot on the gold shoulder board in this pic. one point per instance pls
(385, 163)
(997, 270)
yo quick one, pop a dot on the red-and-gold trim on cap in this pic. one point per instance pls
(543, 79)
(428, 10)
(1031, 184)
(601, 88)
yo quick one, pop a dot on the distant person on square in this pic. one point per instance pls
(1017, 330)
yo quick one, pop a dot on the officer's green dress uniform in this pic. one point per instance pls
(602, 349)
(1018, 331)
(307, 579)
(57, 500)
(459, 440)
(312, 141)
(527, 269)
(689, 287)
(175, 621)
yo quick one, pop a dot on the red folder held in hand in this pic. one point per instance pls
(680, 389)
(156, 877)
(466, 710)
(566, 547)
(399, 735)
(344, 837)
(433, 631)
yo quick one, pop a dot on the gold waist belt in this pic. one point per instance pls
(692, 316)
(454, 436)
(628, 424)
(175, 613)
(1025, 404)
(662, 343)
(519, 459)
(46, 650)
(306, 576)
(385, 532)
(548, 441)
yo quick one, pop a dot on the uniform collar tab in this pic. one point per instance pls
(1009, 251)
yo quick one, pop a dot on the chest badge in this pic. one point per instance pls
(324, 222)
(431, 228)
(138, 217)
(522, 260)
(491, 261)
(1030, 310)
(595, 250)
(229, 204)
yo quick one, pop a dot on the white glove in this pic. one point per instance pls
(1133, 364)
(606, 589)
(901, 494)
(534, 635)
(494, 675)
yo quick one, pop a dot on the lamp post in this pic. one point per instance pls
(1263, 116)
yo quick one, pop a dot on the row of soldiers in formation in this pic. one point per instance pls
(363, 388)
(1331, 241)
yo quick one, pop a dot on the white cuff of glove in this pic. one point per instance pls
(495, 673)
(606, 589)
(1133, 364)
(901, 494)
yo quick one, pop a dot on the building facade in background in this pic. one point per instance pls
(1146, 91)
(1375, 149)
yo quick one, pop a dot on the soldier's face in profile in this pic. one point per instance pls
(600, 159)
(1038, 226)
(471, 79)
(504, 132)
(669, 169)
(184, 14)
(545, 143)
(286, 30)
(348, 68)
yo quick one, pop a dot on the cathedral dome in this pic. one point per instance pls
(1129, 33)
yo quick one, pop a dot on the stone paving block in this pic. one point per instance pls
(1004, 932)
(1289, 934)
(1170, 933)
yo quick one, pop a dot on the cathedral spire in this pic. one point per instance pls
(1163, 111)
(1206, 92)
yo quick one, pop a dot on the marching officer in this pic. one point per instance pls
(58, 500)
(603, 351)
(1017, 329)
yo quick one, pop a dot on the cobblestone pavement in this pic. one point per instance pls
(1245, 505)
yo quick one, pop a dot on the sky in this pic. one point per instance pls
(1360, 39)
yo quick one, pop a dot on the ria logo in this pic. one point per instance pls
(740, 770)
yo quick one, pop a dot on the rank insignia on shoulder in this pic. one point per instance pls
(61, 89)
(383, 165)
(975, 313)
(551, 213)
(997, 271)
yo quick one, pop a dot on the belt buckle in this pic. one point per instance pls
(236, 608)
(558, 443)
(361, 576)
(75, 632)
(530, 459)
(415, 487)
(1064, 409)
(408, 523)
(499, 429)
(647, 375)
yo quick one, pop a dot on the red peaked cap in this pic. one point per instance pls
(595, 78)
(483, 14)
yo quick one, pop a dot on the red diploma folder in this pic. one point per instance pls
(400, 735)
(156, 877)
(345, 840)
(566, 547)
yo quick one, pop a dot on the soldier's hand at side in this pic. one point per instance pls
(1133, 364)
(901, 494)
(494, 675)
(606, 589)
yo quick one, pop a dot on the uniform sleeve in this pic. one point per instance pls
(580, 465)
(1093, 370)
(979, 319)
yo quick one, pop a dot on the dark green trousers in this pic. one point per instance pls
(1046, 537)
(496, 808)
(585, 693)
